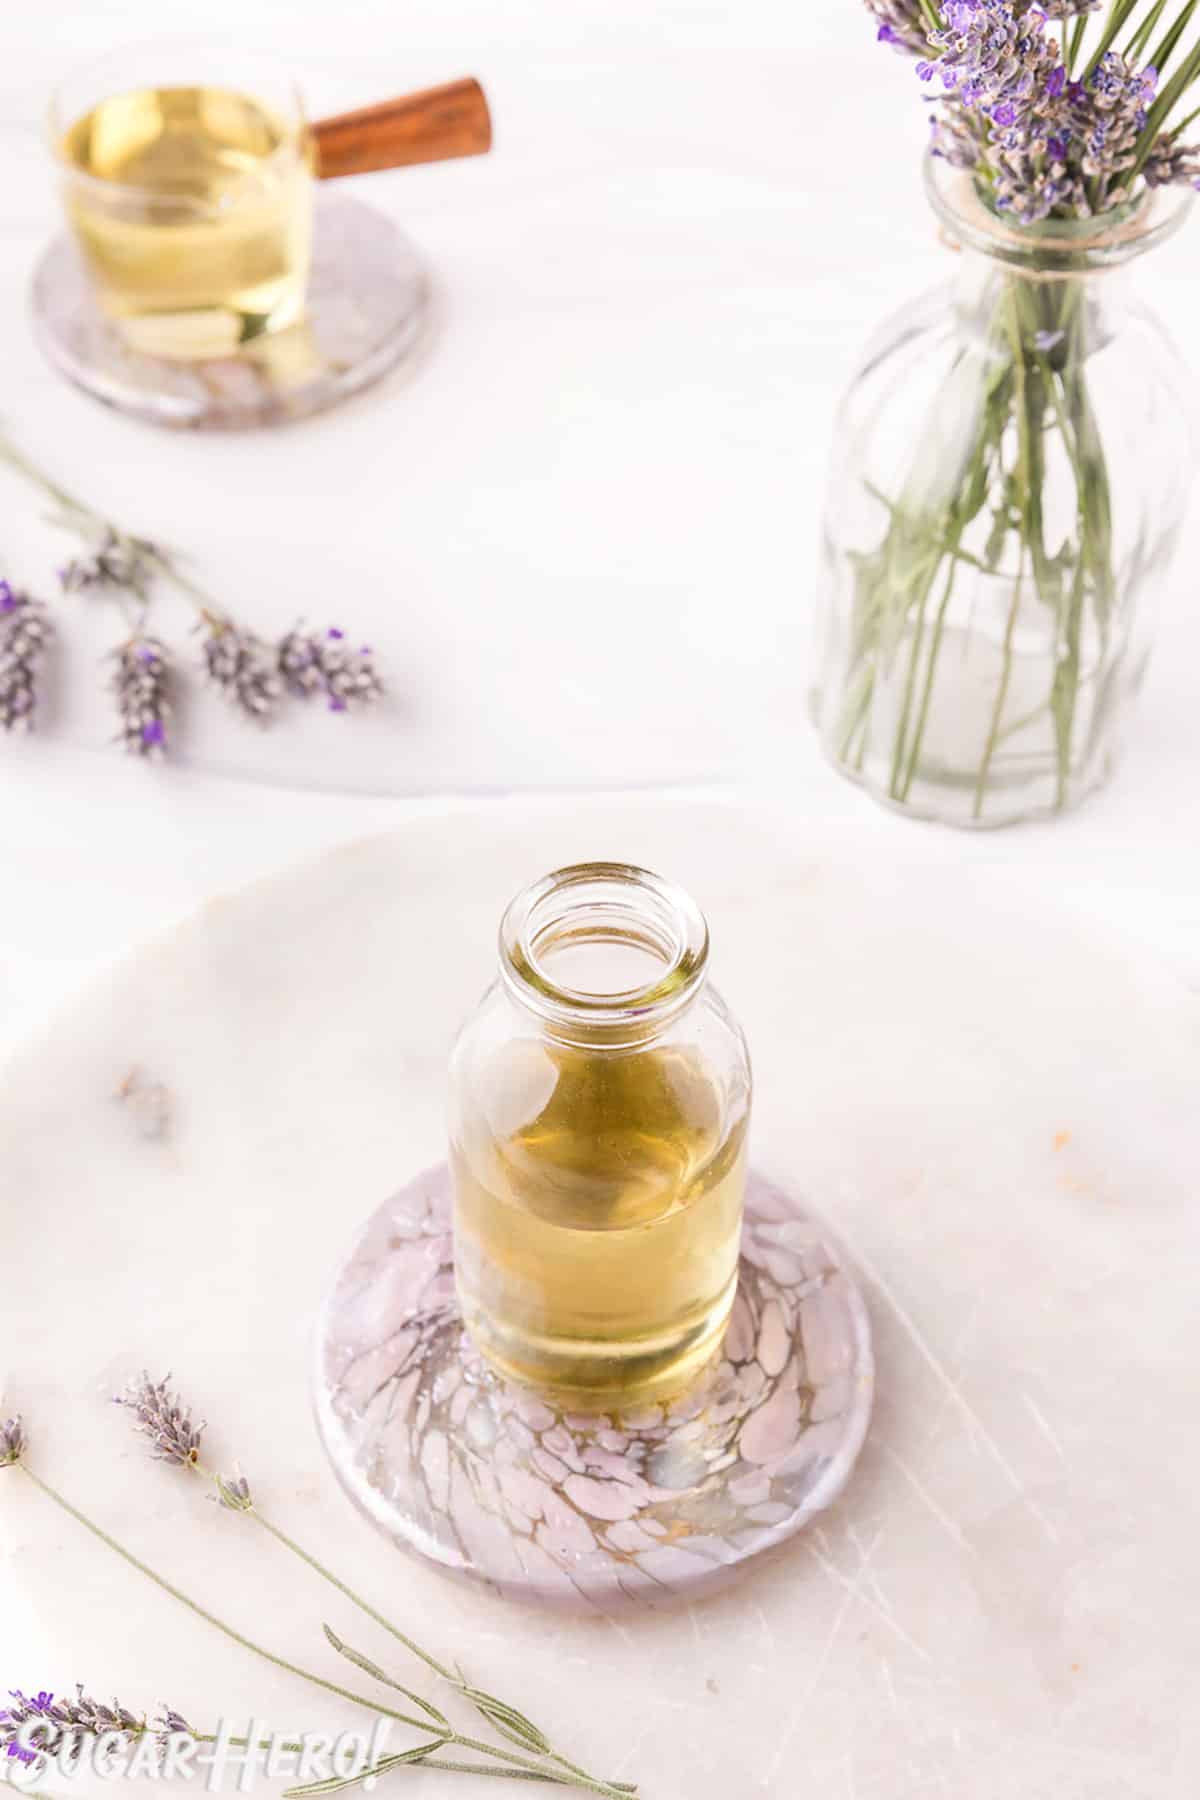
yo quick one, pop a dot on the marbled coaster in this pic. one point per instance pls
(368, 307)
(488, 1480)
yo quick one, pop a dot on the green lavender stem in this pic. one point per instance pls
(333, 1784)
(1031, 398)
(202, 1612)
(993, 737)
(518, 1765)
(1029, 458)
(939, 626)
(581, 1775)
(355, 1599)
(85, 523)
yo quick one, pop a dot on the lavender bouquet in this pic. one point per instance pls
(1013, 460)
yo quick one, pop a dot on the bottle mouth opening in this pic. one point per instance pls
(601, 945)
(1052, 248)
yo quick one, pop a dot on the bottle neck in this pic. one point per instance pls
(604, 954)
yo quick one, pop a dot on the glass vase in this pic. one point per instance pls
(1008, 479)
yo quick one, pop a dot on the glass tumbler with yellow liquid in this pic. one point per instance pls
(600, 1100)
(187, 177)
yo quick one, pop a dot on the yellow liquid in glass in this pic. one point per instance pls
(596, 1245)
(196, 220)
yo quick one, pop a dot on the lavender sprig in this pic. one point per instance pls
(903, 24)
(60, 1723)
(163, 1420)
(25, 633)
(141, 684)
(1043, 143)
(159, 1411)
(242, 667)
(252, 674)
(167, 1423)
(1170, 164)
(313, 663)
(233, 1491)
(116, 561)
(12, 1441)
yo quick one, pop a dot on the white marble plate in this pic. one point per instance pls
(995, 1112)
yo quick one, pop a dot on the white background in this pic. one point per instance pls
(582, 537)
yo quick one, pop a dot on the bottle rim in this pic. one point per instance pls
(622, 902)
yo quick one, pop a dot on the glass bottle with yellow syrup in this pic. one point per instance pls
(188, 182)
(599, 1107)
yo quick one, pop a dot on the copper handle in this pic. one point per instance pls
(432, 126)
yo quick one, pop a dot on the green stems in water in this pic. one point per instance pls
(1016, 416)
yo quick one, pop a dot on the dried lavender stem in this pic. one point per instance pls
(244, 1743)
(464, 1768)
(202, 1612)
(82, 517)
(426, 1762)
(581, 1775)
(383, 1768)
(522, 1766)
(355, 1599)
(205, 605)
(9, 454)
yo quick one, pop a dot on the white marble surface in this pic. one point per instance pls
(582, 537)
(590, 519)
(588, 524)
(994, 1105)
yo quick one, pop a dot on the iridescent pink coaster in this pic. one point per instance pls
(368, 308)
(488, 1480)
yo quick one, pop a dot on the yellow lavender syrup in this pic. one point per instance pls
(600, 1101)
(193, 208)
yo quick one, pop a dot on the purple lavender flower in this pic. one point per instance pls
(115, 562)
(25, 632)
(52, 1724)
(233, 1491)
(12, 1441)
(1169, 163)
(142, 687)
(172, 1724)
(957, 137)
(992, 57)
(311, 663)
(901, 25)
(1044, 144)
(162, 1417)
(243, 667)
(1108, 120)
